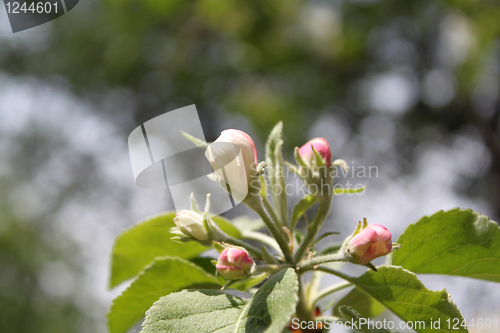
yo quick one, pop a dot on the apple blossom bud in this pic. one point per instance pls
(191, 224)
(234, 264)
(321, 146)
(233, 157)
(371, 242)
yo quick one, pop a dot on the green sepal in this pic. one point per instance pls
(356, 231)
(198, 142)
(207, 207)
(194, 204)
(218, 246)
(208, 229)
(176, 231)
(319, 159)
(299, 159)
(182, 240)
(261, 168)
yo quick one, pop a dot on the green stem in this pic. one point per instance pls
(327, 291)
(306, 264)
(271, 211)
(257, 206)
(251, 249)
(312, 231)
(303, 310)
(326, 270)
(263, 238)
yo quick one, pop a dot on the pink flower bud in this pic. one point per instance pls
(321, 146)
(237, 167)
(372, 242)
(234, 264)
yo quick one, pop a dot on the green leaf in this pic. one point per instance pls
(456, 242)
(301, 207)
(244, 223)
(138, 246)
(205, 263)
(162, 277)
(227, 226)
(367, 306)
(402, 292)
(204, 311)
(276, 172)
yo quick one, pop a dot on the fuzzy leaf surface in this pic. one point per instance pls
(457, 242)
(402, 292)
(205, 311)
(162, 277)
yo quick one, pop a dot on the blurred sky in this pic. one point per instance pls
(65, 171)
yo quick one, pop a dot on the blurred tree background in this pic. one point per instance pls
(386, 81)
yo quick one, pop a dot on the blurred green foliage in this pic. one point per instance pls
(25, 304)
(268, 60)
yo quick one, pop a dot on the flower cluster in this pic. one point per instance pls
(234, 159)
(272, 257)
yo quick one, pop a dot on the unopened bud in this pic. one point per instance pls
(233, 157)
(235, 264)
(371, 242)
(191, 224)
(321, 146)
